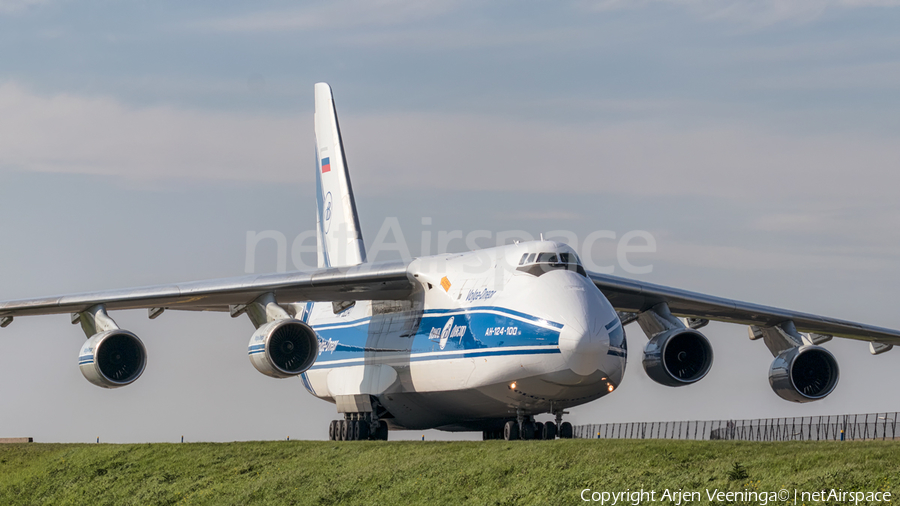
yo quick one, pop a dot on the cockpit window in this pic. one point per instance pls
(522, 260)
(549, 261)
(549, 258)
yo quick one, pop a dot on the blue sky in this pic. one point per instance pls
(141, 141)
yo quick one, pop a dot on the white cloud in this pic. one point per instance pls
(753, 12)
(550, 214)
(75, 134)
(643, 158)
(724, 257)
(434, 151)
(334, 15)
(18, 5)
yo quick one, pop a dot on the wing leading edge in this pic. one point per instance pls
(636, 296)
(381, 281)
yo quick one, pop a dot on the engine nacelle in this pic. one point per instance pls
(804, 374)
(283, 348)
(678, 357)
(112, 359)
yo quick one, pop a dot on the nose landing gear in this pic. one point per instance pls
(565, 428)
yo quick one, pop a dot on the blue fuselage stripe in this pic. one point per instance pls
(452, 333)
(462, 312)
(443, 356)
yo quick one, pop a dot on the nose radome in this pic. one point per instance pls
(582, 344)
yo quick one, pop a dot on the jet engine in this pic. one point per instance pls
(283, 348)
(112, 359)
(804, 373)
(678, 357)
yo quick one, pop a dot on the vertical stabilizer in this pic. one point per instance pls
(339, 236)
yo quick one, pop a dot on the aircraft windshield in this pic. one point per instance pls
(541, 263)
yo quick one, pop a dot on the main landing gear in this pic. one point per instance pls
(524, 427)
(358, 427)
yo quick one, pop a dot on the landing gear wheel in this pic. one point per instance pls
(565, 430)
(345, 430)
(381, 434)
(354, 430)
(332, 431)
(511, 430)
(549, 431)
(528, 430)
(538, 430)
(493, 434)
(363, 430)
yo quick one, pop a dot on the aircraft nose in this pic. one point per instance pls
(584, 341)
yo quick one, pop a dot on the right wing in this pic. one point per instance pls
(381, 281)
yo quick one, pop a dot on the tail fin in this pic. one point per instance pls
(339, 236)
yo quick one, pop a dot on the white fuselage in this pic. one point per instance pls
(486, 333)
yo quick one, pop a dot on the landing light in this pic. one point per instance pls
(611, 387)
(512, 386)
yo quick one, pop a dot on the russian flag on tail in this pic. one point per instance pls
(326, 165)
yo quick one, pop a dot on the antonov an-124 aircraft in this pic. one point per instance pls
(477, 341)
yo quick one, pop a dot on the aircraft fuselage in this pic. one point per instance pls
(487, 333)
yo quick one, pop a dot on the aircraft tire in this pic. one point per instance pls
(565, 430)
(381, 434)
(538, 430)
(345, 430)
(331, 430)
(528, 431)
(363, 430)
(511, 430)
(353, 431)
(549, 431)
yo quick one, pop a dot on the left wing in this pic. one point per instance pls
(381, 281)
(632, 296)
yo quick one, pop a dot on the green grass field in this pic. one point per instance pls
(379, 473)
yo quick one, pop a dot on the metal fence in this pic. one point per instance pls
(807, 428)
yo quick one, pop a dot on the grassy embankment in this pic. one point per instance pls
(494, 472)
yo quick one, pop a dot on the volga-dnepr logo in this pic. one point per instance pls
(449, 331)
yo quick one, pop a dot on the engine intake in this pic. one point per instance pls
(283, 348)
(112, 359)
(804, 374)
(678, 357)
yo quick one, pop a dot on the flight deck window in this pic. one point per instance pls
(550, 261)
(524, 257)
(547, 258)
